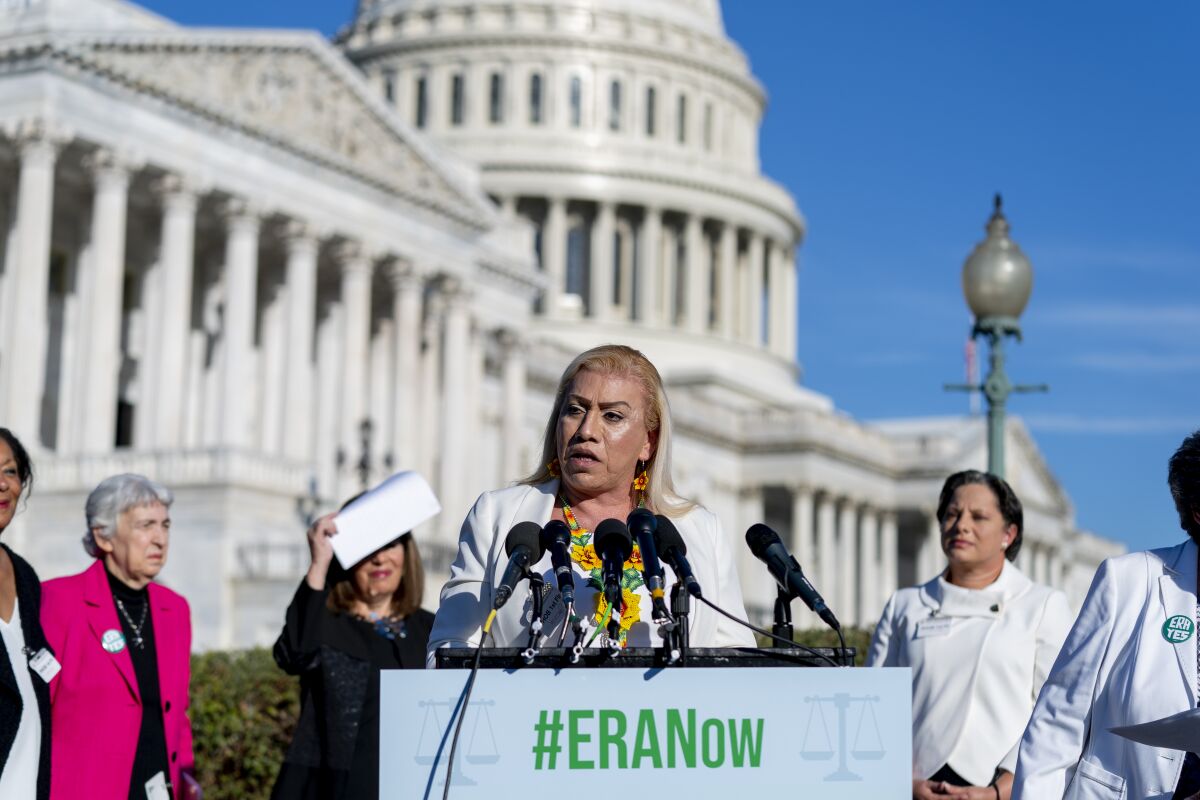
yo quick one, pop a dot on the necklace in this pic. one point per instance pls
(387, 627)
(583, 553)
(138, 641)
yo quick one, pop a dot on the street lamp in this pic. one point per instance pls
(997, 280)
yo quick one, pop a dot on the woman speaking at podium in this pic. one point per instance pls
(1130, 659)
(606, 451)
(980, 639)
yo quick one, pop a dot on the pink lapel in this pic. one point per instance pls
(165, 622)
(102, 617)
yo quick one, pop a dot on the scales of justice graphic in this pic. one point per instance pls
(867, 745)
(478, 737)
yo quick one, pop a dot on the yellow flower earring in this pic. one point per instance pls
(552, 468)
(640, 482)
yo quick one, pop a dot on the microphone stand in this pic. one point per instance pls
(783, 620)
(681, 606)
(536, 584)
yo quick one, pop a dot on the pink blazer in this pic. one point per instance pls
(95, 709)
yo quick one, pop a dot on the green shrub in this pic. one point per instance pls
(858, 638)
(244, 709)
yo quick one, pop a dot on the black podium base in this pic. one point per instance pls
(643, 657)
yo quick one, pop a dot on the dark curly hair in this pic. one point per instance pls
(1006, 499)
(1183, 478)
(24, 465)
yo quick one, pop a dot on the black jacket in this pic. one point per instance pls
(29, 598)
(338, 659)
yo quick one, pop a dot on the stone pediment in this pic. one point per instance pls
(292, 90)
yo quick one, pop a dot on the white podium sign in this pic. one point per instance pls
(844, 733)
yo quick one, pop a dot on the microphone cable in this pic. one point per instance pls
(462, 714)
(797, 645)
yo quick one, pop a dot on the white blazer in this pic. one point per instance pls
(978, 659)
(1116, 668)
(467, 597)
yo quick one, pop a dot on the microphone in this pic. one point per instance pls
(642, 525)
(524, 547)
(670, 545)
(769, 549)
(614, 545)
(556, 537)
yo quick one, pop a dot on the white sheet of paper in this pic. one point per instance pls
(1177, 732)
(392, 508)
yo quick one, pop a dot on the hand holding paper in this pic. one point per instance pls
(392, 508)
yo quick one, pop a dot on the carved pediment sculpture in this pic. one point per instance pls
(292, 90)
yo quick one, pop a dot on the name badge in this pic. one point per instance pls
(156, 788)
(45, 665)
(933, 627)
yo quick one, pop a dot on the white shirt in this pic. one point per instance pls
(19, 778)
(979, 658)
(467, 596)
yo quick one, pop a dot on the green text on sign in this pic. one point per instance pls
(611, 739)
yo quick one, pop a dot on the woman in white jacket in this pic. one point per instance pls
(1130, 658)
(980, 639)
(606, 451)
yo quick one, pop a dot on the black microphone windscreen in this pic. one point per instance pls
(642, 520)
(667, 536)
(759, 538)
(528, 534)
(612, 533)
(555, 529)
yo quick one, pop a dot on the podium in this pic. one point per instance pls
(733, 720)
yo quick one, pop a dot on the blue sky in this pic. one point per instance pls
(893, 123)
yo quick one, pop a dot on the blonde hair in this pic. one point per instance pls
(618, 359)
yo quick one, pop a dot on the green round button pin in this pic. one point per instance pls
(1178, 629)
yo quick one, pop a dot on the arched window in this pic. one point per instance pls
(421, 109)
(535, 99)
(576, 101)
(579, 250)
(614, 106)
(681, 115)
(651, 110)
(496, 98)
(457, 99)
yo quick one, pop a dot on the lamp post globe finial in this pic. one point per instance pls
(997, 277)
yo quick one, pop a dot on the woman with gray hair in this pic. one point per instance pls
(124, 643)
(606, 452)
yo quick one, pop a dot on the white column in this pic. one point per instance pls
(25, 370)
(514, 377)
(455, 375)
(698, 276)
(933, 560)
(848, 578)
(778, 315)
(406, 312)
(791, 305)
(1041, 563)
(889, 552)
(804, 548)
(752, 298)
(102, 356)
(827, 555)
(758, 589)
(649, 266)
(241, 303)
(728, 297)
(298, 401)
(431, 410)
(1056, 570)
(869, 602)
(178, 257)
(271, 368)
(554, 254)
(601, 289)
(356, 311)
(326, 391)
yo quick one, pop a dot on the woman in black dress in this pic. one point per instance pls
(341, 629)
(26, 663)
